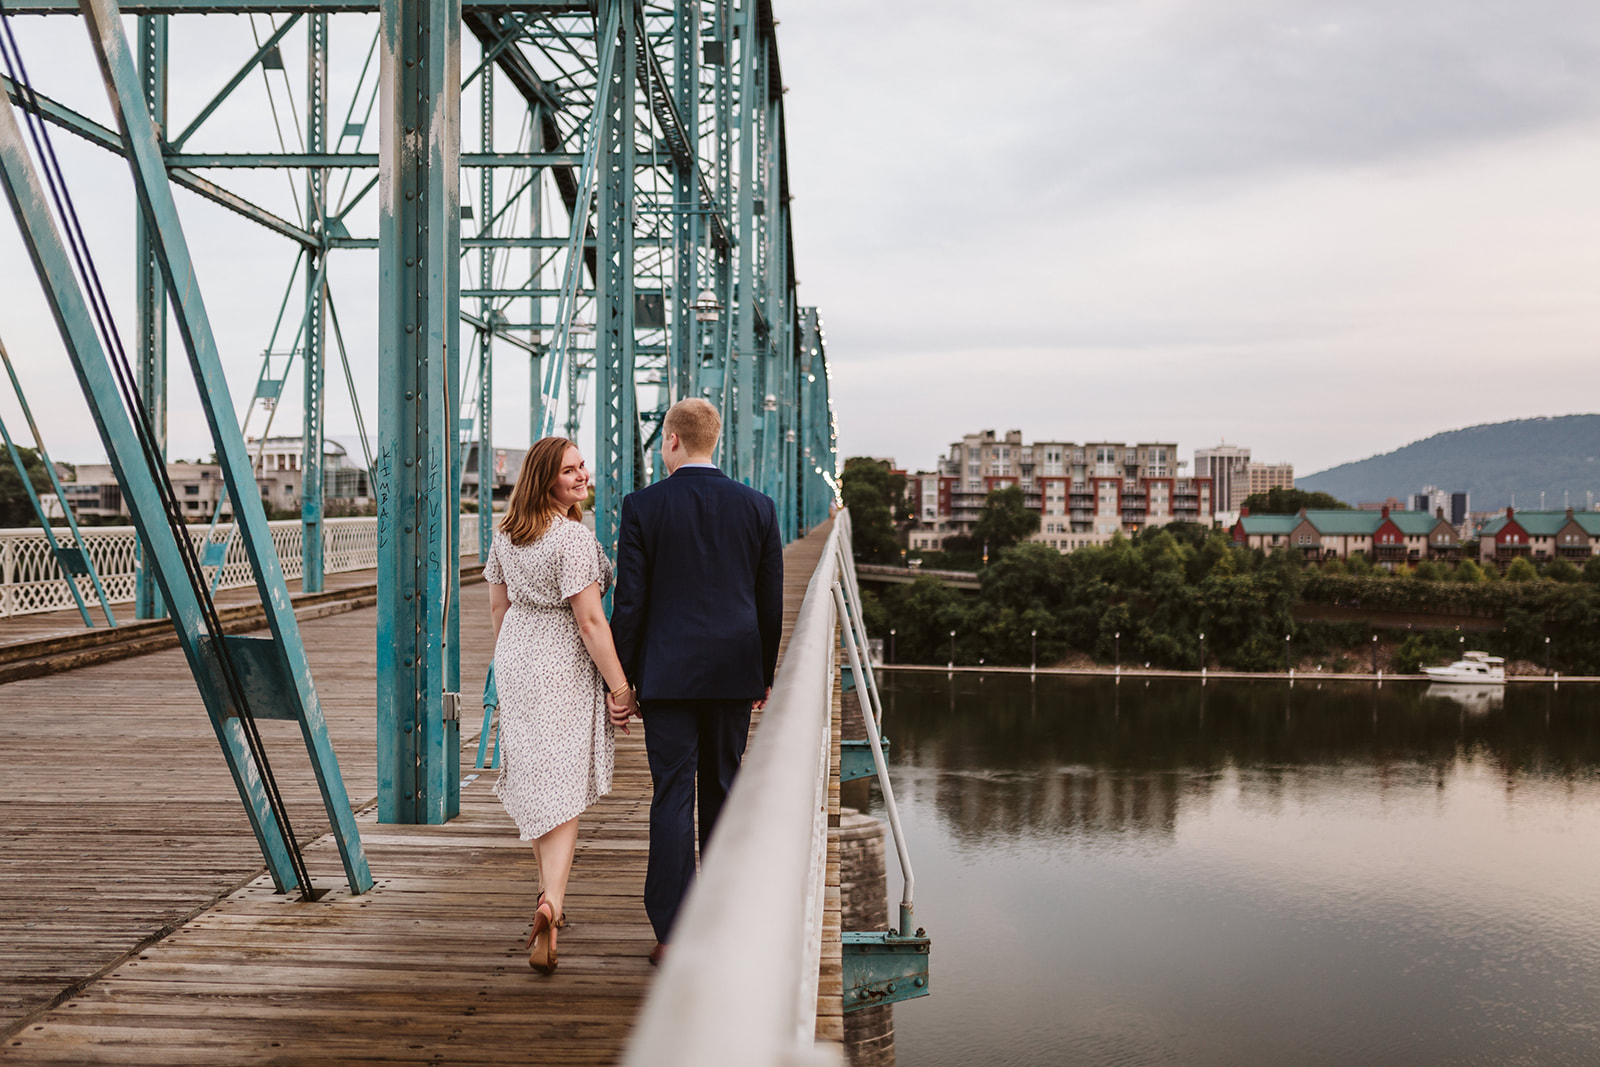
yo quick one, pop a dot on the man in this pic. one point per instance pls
(696, 618)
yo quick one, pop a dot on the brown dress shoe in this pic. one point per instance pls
(658, 954)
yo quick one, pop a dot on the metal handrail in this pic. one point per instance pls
(872, 718)
(740, 983)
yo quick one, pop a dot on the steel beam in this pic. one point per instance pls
(536, 394)
(316, 339)
(53, 264)
(354, 160)
(686, 183)
(68, 570)
(419, 323)
(286, 7)
(261, 53)
(154, 194)
(616, 406)
(96, 134)
(486, 258)
(741, 405)
(151, 308)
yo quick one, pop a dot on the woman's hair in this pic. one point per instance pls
(531, 509)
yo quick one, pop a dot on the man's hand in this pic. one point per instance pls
(622, 710)
(759, 704)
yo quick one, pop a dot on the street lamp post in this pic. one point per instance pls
(1547, 657)
(891, 644)
(1116, 649)
(1287, 666)
(1202, 655)
(1033, 664)
(1374, 653)
(952, 649)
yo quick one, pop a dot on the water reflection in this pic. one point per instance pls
(1066, 756)
(1245, 873)
(1471, 697)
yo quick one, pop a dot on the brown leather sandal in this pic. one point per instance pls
(542, 949)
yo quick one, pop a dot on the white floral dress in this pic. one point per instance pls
(556, 742)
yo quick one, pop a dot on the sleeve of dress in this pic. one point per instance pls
(491, 566)
(578, 564)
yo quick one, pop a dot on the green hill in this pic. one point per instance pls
(1495, 462)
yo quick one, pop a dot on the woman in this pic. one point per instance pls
(554, 664)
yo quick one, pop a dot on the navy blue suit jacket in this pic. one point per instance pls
(698, 607)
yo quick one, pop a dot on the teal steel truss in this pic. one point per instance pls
(622, 230)
(240, 678)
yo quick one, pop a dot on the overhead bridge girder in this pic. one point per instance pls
(634, 248)
(128, 433)
(288, 7)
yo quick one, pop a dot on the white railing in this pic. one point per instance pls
(739, 985)
(31, 581)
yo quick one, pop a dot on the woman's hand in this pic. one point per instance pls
(622, 708)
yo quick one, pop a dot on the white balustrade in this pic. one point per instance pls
(32, 582)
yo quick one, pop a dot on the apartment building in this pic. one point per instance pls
(1084, 493)
(1266, 476)
(200, 486)
(1387, 536)
(1228, 467)
(1540, 536)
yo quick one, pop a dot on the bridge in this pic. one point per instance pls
(621, 233)
(879, 574)
(147, 929)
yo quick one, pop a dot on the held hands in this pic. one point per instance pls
(622, 704)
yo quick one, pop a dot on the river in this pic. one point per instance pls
(1243, 873)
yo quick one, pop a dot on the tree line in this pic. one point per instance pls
(1149, 598)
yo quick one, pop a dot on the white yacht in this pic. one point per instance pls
(1473, 668)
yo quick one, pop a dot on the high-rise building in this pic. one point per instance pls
(1460, 506)
(1268, 476)
(1430, 500)
(1093, 490)
(1228, 467)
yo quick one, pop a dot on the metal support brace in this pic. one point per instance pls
(616, 407)
(855, 756)
(312, 458)
(686, 184)
(740, 404)
(419, 313)
(486, 257)
(537, 396)
(73, 560)
(491, 705)
(151, 309)
(154, 193)
(714, 374)
(53, 265)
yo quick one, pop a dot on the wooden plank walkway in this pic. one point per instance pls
(137, 925)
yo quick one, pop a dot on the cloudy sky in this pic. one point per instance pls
(1318, 229)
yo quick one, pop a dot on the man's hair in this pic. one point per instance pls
(696, 423)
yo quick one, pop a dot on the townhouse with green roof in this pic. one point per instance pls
(1386, 537)
(1539, 536)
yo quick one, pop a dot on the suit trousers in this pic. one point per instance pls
(685, 740)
